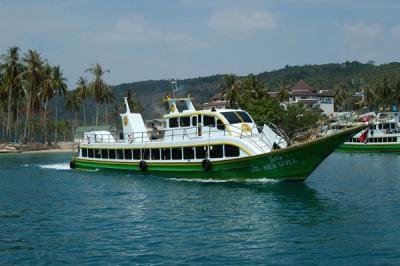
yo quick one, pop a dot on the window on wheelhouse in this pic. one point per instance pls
(84, 152)
(188, 153)
(199, 119)
(231, 151)
(185, 121)
(194, 121)
(209, 121)
(245, 117)
(173, 122)
(220, 124)
(232, 117)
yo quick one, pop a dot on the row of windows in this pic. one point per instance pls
(375, 140)
(187, 153)
(187, 121)
(385, 126)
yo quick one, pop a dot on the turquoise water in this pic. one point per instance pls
(347, 212)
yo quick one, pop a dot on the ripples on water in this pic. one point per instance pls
(347, 212)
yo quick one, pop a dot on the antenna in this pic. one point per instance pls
(128, 111)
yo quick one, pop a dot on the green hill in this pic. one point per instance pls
(353, 75)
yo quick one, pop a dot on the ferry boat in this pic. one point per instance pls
(207, 144)
(382, 135)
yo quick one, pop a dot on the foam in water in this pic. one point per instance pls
(260, 181)
(56, 166)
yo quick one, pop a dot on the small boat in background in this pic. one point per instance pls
(382, 135)
(207, 144)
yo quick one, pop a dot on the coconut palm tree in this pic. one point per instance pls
(283, 93)
(98, 85)
(32, 75)
(107, 98)
(83, 93)
(72, 103)
(60, 88)
(46, 93)
(12, 69)
(229, 88)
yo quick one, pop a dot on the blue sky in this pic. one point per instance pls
(141, 40)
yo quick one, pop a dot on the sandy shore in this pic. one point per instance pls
(36, 148)
(49, 151)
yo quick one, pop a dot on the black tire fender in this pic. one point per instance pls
(206, 164)
(72, 164)
(143, 165)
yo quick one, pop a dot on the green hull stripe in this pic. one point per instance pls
(369, 148)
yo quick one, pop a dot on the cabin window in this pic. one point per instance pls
(220, 124)
(194, 121)
(111, 154)
(173, 122)
(385, 139)
(104, 153)
(380, 126)
(201, 152)
(209, 121)
(379, 139)
(155, 154)
(231, 151)
(136, 154)
(185, 121)
(188, 153)
(392, 126)
(128, 154)
(199, 118)
(90, 153)
(394, 139)
(145, 154)
(120, 154)
(232, 117)
(165, 154)
(216, 151)
(245, 117)
(176, 153)
(84, 152)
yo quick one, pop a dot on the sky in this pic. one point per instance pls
(165, 39)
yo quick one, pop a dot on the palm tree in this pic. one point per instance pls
(47, 93)
(72, 103)
(98, 85)
(83, 92)
(229, 88)
(60, 88)
(32, 77)
(252, 87)
(107, 98)
(12, 69)
(384, 92)
(396, 92)
(283, 93)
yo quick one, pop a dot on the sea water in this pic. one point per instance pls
(347, 212)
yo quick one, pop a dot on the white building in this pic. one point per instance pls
(301, 92)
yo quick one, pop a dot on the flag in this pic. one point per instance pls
(364, 137)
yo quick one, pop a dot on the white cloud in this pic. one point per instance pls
(396, 32)
(136, 29)
(361, 29)
(241, 23)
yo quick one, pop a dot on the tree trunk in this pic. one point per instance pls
(28, 107)
(45, 138)
(56, 127)
(8, 113)
(97, 113)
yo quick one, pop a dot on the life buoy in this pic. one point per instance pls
(143, 165)
(130, 138)
(206, 164)
(72, 164)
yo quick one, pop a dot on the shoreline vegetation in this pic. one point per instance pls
(36, 105)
